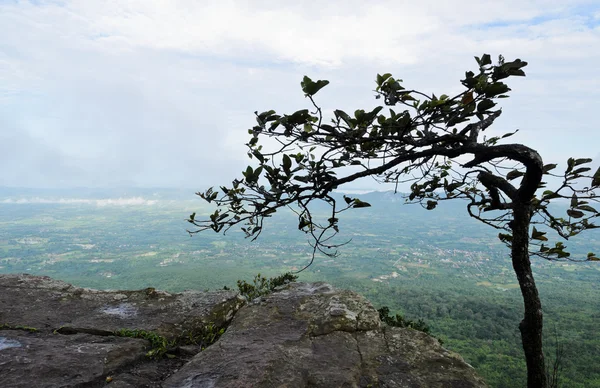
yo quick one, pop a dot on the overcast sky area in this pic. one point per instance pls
(148, 93)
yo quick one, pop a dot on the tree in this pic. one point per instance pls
(502, 184)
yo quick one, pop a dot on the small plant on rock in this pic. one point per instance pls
(263, 286)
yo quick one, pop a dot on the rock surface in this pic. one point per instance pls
(73, 343)
(302, 335)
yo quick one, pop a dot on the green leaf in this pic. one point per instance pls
(299, 117)
(514, 174)
(358, 203)
(580, 170)
(485, 105)
(587, 208)
(340, 114)
(382, 78)
(303, 223)
(514, 67)
(257, 173)
(248, 173)
(549, 167)
(258, 156)
(596, 178)
(582, 161)
(495, 89)
(592, 257)
(287, 163)
(453, 186)
(575, 213)
(574, 200)
(431, 205)
(311, 88)
(486, 59)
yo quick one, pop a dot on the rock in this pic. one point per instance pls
(312, 335)
(57, 335)
(303, 334)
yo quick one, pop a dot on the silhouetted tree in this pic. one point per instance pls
(422, 143)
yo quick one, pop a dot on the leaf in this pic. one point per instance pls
(453, 186)
(514, 174)
(287, 163)
(575, 213)
(485, 60)
(549, 167)
(340, 114)
(587, 208)
(537, 235)
(574, 200)
(382, 78)
(514, 67)
(258, 156)
(495, 89)
(431, 205)
(248, 173)
(257, 173)
(299, 117)
(509, 134)
(485, 105)
(358, 203)
(596, 178)
(469, 80)
(311, 88)
(347, 199)
(580, 170)
(467, 98)
(303, 223)
(549, 194)
(582, 161)
(407, 97)
(592, 257)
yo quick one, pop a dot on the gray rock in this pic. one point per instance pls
(45, 303)
(311, 335)
(74, 344)
(304, 334)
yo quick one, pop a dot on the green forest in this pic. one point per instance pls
(438, 266)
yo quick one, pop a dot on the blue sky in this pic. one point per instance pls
(103, 93)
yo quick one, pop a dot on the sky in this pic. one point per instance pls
(149, 93)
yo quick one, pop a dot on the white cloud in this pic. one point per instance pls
(99, 93)
(134, 201)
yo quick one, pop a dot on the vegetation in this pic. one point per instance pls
(425, 143)
(262, 286)
(399, 321)
(438, 266)
(161, 346)
(5, 326)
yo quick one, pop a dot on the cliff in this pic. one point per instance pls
(53, 334)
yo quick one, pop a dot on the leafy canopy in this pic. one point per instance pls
(310, 155)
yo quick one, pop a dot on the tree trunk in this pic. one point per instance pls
(532, 323)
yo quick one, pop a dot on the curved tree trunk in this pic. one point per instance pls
(532, 323)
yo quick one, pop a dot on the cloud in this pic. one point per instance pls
(161, 93)
(134, 201)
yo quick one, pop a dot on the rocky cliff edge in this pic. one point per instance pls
(53, 334)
